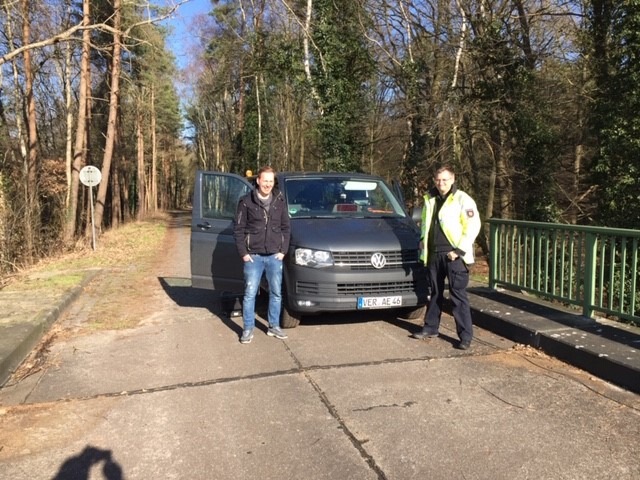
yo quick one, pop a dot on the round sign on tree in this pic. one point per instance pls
(90, 176)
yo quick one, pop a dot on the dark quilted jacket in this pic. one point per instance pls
(255, 231)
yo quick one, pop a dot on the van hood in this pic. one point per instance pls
(354, 234)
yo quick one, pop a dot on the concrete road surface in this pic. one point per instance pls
(345, 397)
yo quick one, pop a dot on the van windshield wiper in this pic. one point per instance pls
(389, 215)
(314, 216)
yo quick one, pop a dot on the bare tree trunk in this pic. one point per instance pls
(124, 181)
(575, 210)
(19, 126)
(141, 176)
(483, 239)
(166, 172)
(31, 218)
(575, 194)
(455, 127)
(463, 31)
(154, 154)
(79, 154)
(68, 103)
(63, 67)
(116, 206)
(503, 178)
(526, 34)
(307, 54)
(114, 96)
(259, 111)
(302, 150)
(16, 82)
(218, 155)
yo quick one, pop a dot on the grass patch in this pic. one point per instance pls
(129, 253)
(119, 296)
(120, 247)
(111, 323)
(50, 282)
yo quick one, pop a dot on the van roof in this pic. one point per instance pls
(327, 175)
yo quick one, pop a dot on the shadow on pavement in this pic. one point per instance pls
(184, 295)
(79, 466)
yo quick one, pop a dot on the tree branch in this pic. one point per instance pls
(68, 34)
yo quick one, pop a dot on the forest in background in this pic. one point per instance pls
(533, 102)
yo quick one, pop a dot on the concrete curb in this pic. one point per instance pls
(25, 336)
(609, 352)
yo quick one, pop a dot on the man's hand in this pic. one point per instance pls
(452, 255)
(247, 258)
(279, 256)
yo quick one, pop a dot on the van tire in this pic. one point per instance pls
(414, 313)
(289, 319)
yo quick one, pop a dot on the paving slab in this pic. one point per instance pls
(609, 350)
(26, 315)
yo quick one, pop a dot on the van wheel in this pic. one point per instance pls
(414, 313)
(289, 319)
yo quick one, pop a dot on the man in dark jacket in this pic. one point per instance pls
(262, 233)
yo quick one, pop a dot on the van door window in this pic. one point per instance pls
(220, 196)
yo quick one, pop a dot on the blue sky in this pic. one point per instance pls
(181, 23)
(180, 41)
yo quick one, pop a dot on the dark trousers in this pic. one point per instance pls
(457, 275)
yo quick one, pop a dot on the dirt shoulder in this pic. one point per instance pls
(83, 292)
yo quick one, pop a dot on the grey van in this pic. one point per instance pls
(353, 245)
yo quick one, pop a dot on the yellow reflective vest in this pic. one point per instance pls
(459, 219)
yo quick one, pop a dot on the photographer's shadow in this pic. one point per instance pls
(79, 467)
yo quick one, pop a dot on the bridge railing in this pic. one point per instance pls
(593, 268)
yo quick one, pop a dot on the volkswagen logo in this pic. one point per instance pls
(378, 261)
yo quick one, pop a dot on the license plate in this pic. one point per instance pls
(379, 302)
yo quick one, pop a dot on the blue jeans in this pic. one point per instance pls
(253, 271)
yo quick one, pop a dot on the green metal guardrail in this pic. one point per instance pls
(593, 268)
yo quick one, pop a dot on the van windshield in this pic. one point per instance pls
(329, 197)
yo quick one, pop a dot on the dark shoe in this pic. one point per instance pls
(424, 334)
(276, 332)
(464, 345)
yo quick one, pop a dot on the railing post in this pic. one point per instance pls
(493, 254)
(589, 280)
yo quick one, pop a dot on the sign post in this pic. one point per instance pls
(90, 176)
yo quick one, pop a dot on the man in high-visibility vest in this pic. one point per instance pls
(450, 225)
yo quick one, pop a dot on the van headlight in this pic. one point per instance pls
(313, 258)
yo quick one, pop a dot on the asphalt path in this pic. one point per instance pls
(344, 397)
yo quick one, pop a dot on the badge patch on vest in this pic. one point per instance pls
(470, 213)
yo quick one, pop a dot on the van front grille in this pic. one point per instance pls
(362, 260)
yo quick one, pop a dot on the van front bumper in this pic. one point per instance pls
(311, 291)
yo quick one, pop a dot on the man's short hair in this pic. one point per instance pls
(266, 169)
(444, 168)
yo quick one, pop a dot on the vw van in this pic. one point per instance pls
(353, 245)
